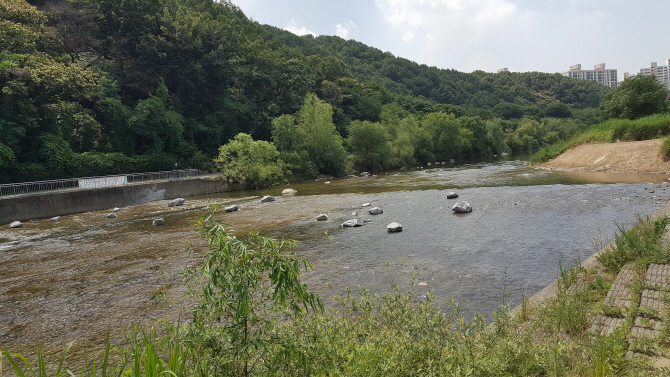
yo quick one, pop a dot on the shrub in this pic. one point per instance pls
(250, 163)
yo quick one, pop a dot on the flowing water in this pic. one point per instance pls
(77, 277)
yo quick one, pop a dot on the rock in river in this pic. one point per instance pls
(158, 221)
(232, 208)
(322, 217)
(394, 227)
(452, 195)
(375, 211)
(268, 198)
(57, 218)
(111, 216)
(176, 202)
(289, 192)
(352, 223)
(462, 207)
(116, 209)
(16, 224)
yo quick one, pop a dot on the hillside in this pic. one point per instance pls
(102, 87)
(478, 89)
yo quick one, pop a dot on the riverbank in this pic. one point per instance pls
(622, 157)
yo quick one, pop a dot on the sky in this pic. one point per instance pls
(468, 35)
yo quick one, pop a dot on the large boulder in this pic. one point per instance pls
(15, 224)
(352, 223)
(394, 227)
(111, 216)
(158, 221)
(452, 195)
(176, 202)
(289, 192)
(232, 208)
(375, 211)
(462, 207)
(267, 198)
(322, 217)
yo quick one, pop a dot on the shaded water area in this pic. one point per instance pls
(80, 276)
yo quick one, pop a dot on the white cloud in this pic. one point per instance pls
(463, 31)
(343, 30)
(293, 28)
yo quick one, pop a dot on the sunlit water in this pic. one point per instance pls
(79, 276)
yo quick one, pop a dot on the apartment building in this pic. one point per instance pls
(662, 72)
(599, 73)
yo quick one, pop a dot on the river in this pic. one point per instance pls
(77, 277)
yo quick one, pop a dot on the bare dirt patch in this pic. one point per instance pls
(623, 157)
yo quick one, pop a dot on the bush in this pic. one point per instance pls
(250, 163)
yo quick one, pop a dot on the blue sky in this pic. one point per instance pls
(466, 35)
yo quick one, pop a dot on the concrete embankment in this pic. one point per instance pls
(45, 205)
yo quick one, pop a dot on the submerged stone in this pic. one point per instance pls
(352, 223)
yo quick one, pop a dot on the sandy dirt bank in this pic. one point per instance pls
(623, 157)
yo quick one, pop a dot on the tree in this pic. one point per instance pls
(369, 146)
(249, 285)
(636, 97)
(321, 140)
(250, 163)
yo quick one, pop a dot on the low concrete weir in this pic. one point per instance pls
(39, 206)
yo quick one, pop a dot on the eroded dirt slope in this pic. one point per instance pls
(625, 157)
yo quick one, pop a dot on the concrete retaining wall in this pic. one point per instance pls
(62, 203)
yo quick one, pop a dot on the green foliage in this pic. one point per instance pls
(248, 285)
(636, 97)
(6, 156)
(250, 163)
(320, 138)
(369, 146)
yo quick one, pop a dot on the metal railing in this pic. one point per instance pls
(23, 188)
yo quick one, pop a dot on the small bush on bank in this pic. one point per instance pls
(642, 244)
(665, 149)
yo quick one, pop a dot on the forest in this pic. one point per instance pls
(94, 87)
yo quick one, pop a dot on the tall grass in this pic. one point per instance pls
(650, 127)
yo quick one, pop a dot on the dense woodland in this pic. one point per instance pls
(92, 87)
